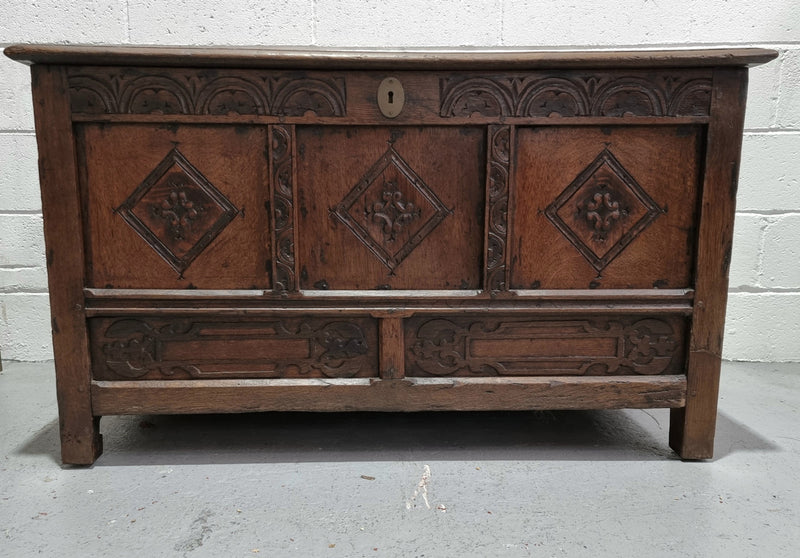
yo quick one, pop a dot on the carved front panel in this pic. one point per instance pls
(507, 346)
(383, 208)
(176, 206)
(188, 348)
(605, 207)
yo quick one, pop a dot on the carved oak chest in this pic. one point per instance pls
(235, 230)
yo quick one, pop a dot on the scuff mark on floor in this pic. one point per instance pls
(200, 531)
(421, 490)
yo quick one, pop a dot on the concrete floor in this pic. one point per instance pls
(568, 484)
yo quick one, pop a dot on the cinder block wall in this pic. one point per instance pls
(764, 309)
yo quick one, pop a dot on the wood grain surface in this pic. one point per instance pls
(663, 163)
(234, 230)
(352, 184)
(417, 394)
(81, 442)
(692, 428)
(382, 59)
(118, 159)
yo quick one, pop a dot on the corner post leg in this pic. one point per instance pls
(692, 427)
(61, 207)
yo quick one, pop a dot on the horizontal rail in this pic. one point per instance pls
(408, 394)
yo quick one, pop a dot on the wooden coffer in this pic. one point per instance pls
(234, 230)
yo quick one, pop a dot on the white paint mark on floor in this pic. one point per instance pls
(421, 489)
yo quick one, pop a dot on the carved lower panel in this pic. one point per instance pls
(497, 187)
(572, 94)
(188, 348)
(204, 92)
(283, 206)
(509, 346)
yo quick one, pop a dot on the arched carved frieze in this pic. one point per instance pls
(629, 97)
(483, 96)
(572, 94)
(555, 96)
(155, 95)
(196, 92)
(91, 96)
(232, 95)
(296, 97)
(691, 99)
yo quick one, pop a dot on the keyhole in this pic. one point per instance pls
(390, 97)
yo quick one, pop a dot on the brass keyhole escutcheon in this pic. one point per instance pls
(391, 97)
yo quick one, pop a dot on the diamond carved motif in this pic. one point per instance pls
(177, 211)
(603, 210)
(391, 209)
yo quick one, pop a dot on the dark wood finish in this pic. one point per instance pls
(392, 350)
(176, 206)
(114, 93)
(538, 94)
(283, 180)
(184, 348)
(409, 394)
(81, 442)
(404, 118)
(205, 92)
(500, 141)
(394, 201)
(447, 298)
(518, 346)
(116, 302)
(692, 427)
(234, 230)
(373, 59)
(608, 207)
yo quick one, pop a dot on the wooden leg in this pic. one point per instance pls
(81, 442)
(61, 207)
(685, 439)
(691, 428)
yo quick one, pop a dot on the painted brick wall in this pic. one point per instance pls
(764, 308)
